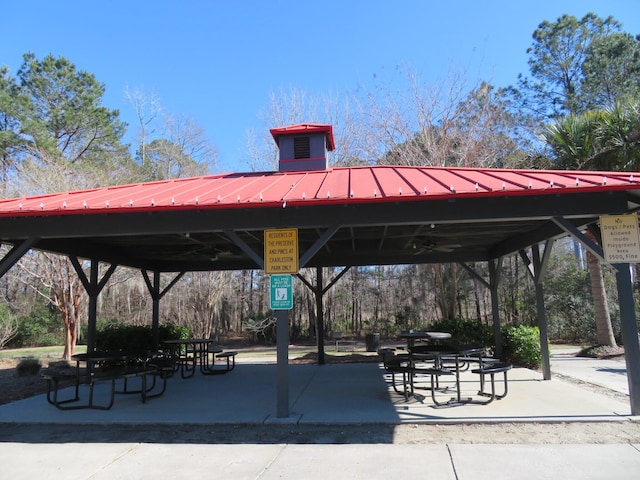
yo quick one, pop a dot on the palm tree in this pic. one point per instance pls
(619, 136)
(606, 139)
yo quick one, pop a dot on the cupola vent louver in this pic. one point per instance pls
(301, 147)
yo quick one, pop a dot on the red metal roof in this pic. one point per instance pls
(342, 185)
(302, 128)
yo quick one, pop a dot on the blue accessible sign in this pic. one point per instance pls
(281, 297)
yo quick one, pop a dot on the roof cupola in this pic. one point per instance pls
(303, 146)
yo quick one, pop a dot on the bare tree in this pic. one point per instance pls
(205, 291)
(147, 107)
(181, 151)
(52, 276)
(8, 328)
(448, 123)
(297, 106)
(57, 282)
(169, 145)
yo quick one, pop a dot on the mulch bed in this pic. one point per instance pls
(311, 358)
(14, 387)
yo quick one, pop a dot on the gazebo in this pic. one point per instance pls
(351, 216)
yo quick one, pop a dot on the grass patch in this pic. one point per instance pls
(38, 352)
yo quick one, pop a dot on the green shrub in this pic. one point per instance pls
(41, 328)
(466, 332)
(130, 338)
(101, 324)
(521, 346)
(28, 367)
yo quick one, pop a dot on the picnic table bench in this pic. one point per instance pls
(104, 368)
(492, 369)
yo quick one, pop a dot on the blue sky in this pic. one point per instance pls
(217, 61)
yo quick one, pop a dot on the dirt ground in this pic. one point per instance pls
(503, 433)
(14, 387)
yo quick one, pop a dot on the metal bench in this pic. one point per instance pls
(230, 357)
(402, 364)
(434, 379)
(492, 369)
(110, 374)
(53, 377)
(337, 336)
(398, 364)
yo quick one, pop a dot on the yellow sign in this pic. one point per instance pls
(620, 238)
(281, 251)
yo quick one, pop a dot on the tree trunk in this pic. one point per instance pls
(70, 338)
(68, 300)
(446, 286)
(70, 313)
(604, 331)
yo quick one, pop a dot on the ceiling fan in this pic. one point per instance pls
(205, 249)
(430, 246)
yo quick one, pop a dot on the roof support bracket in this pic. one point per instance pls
(537, 269)
(581, 237)
(92, 290)
(333, 281)
(15, 254)
(318, 244)
(474, 274)
(233, 236)
(152, 287)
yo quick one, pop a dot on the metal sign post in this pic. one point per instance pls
(281, 259)
(282, 357)
(281, 300)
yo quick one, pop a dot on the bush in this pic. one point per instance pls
(41, 328)
(466, 332)
(28, 367)
(521, 346)
(405, 317)
(101, 324)
(129, 338)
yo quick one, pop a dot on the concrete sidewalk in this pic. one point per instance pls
(610, 374)
(309, 462)
(326, 395)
